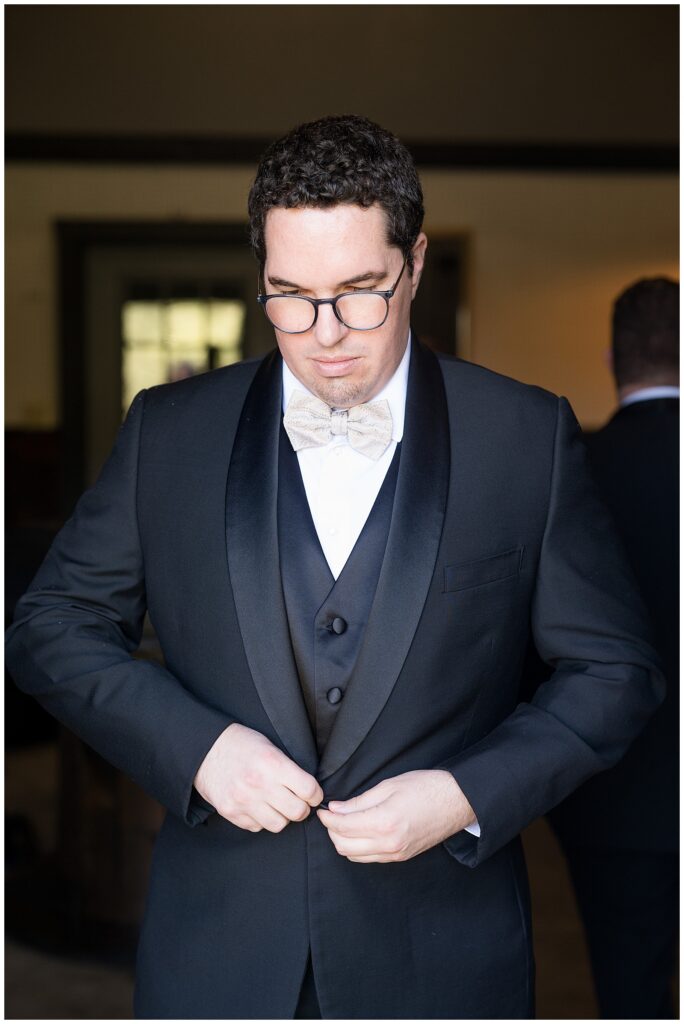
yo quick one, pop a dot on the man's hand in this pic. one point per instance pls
(399, 818)
(253, 784)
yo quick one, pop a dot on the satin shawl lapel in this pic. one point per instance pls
(254, 563)
(409, 562)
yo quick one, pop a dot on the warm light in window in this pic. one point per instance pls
(186, 324)
(166, 341)
(142, 368)
(225, 323)
(142, 323)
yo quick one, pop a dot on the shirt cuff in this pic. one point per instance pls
(474, 829)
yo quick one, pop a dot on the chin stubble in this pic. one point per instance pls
(340, 394)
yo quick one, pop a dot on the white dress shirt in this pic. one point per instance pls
(648, 394)
(341, 484)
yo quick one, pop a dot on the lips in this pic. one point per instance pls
(335, 367)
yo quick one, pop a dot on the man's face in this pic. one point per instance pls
(321, 253)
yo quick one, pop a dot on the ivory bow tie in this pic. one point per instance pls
(309, 422)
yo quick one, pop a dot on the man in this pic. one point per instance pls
(344, 597)
(620, 831)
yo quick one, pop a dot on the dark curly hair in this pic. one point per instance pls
(646, 331)
(339, 159)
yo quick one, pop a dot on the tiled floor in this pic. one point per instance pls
(40, 985)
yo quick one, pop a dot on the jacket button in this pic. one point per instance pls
(338, 625)
(334, 695)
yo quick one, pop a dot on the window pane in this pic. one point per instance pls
(142, 368)
(186, 324)
(167, 340)
(227, 354)
(226, 320)
(141, 323)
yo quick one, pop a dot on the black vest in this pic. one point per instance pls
(327, 617)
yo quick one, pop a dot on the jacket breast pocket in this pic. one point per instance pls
(464, 575)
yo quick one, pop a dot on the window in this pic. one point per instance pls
(166, 339)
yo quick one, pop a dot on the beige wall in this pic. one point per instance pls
(547, 254)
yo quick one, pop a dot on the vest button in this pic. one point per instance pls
(338, 625)
(334, 695)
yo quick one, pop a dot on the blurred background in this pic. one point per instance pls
(547, 142)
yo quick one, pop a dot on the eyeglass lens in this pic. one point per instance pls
(295, 314)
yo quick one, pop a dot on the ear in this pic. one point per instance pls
(608, 359)
(419, 250)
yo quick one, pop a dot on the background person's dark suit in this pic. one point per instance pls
(620, 830)
(495, 530)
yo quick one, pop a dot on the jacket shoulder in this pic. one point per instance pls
(197, 411)
(229, 383)
(482, 388)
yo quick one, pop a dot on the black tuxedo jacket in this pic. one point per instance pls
(635, 461)
(495, 532)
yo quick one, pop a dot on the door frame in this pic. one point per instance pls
(75, 240)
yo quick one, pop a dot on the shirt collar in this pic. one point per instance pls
(394, 391)
(647, 394)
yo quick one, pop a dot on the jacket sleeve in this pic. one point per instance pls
(76, 630)
(590, 626)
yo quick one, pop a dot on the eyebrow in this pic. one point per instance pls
(369, 275)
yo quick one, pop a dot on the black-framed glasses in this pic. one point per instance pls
(359, 310)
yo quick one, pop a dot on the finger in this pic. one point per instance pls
(246, 822)
(290, 806)
(378, 858)
(347, 847)
(269, 818)
(300, 783)
(371, 798)
(355, 824)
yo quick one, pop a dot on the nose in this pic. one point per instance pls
(328, 330)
